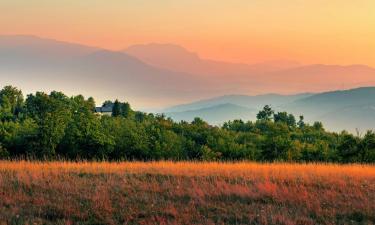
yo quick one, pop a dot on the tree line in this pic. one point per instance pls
(52, 126)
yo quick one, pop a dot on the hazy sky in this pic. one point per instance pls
(310, 31)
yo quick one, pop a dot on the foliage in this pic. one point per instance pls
(48, 126)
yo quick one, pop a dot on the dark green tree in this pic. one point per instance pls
(265, 114)
(284, 117)
(11, 102)
(348, 148)
(116, 110)
(367, 148)
(126, 110)
(51, 113)
(301, 123)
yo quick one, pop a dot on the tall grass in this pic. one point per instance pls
(186, 193)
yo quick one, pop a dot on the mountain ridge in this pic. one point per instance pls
(56, 65)
(215, 114)
(350, 109)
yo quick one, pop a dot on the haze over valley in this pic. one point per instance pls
(256, 112)
(154, 77)
(160, 75)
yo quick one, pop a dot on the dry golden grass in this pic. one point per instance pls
(186, 193)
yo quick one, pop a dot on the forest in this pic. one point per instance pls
(54, 126)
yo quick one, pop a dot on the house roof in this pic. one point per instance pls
(103, 109)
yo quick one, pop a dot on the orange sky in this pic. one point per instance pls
(309, 31)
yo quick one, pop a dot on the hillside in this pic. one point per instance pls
(30, 62)
(283, 77)
(177, 58)
(255, 102)
(347, 109)
(216, 114)
(339, 110)
(33, 63)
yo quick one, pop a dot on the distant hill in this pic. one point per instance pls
(33, 63)
(347, 109)
(177, 58)
(215, 114)
(338, 110)
(319, 104)
(26, 45)
(254, 102)
(283, 77)
(352, 118)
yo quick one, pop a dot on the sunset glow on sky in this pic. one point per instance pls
(309, 31)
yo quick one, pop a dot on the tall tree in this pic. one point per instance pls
(284, 117)
(116, 109)
(52, 113)
(265, 114)
(126, 110)
(301, 123)
(11, 101)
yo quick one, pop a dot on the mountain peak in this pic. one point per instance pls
(161, 49)
(35, 45)
(163, 55)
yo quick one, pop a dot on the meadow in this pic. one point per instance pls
(185, 193)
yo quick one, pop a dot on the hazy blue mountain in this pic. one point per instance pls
(254, 102)
(347, 109)
(320, 104)
(216, 114)
(338, 110)
(358, 118)
(33, 63)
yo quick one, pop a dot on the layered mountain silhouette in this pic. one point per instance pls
(177, 58)
(283, 77)
(32, 63)
(254, 102)
(215, 114)
(352, 110)
(347, 109)
(157, 75)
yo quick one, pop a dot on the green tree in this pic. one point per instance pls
(265, 114)
(52, 113)
(126, 110)
(85, 137)
(367, 148)
(12, 99)
(116, 110)
(284, 117)
(348, 148)
(131, 140)
(301, 123)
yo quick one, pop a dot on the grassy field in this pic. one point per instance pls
(185, 193)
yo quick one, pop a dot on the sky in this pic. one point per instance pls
(309, 31)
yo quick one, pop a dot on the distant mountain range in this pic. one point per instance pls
(156, 75)
(338, 110)
(33, 63)
(283, 77)
(177, 58)
(216, 114)
(254, 102)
